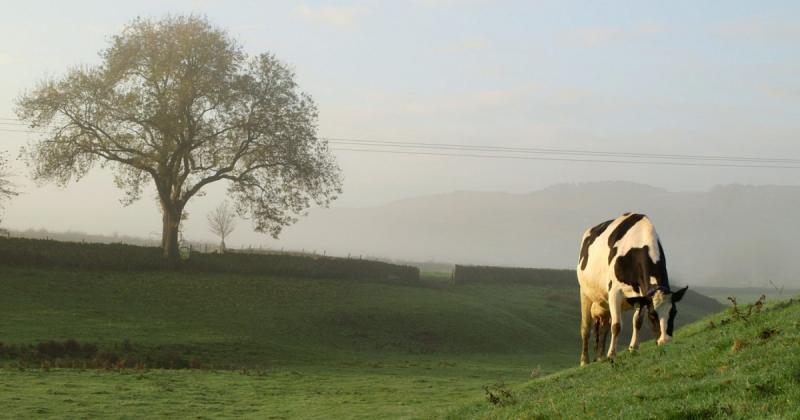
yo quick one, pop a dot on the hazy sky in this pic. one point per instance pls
(669, 77)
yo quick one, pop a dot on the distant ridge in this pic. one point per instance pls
(731, 235)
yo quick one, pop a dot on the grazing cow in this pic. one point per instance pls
(622, 266)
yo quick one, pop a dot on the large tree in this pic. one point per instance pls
(178, 103)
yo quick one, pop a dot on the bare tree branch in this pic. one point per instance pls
(222, 222)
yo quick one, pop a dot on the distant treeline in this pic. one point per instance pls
(539, 276)
(94, 256)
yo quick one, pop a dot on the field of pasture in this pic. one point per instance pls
(268, 346)
(247, 344)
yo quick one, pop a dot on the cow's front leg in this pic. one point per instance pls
(615, 307)
(637, 324)
(586, 325)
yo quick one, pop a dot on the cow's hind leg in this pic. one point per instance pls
(597, 348)
(615, 306)
(637, 324)
(586, 328)
(602, 337)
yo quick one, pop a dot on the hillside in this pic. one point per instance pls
(287, 320)
(722, 366)
(723, 237)
(309, 346)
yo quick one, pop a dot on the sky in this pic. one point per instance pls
(680, 77)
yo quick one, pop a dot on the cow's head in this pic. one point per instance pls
(662, 310)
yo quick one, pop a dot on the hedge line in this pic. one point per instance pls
(93, 256)
(540, 276)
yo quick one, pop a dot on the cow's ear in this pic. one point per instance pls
(638, 301)
(677, 296)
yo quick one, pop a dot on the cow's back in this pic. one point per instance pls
(602, 244)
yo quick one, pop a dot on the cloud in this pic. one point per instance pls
(448, 3)
(759, 28)
(478, 102)
(466, 45)
(6, 58)
(786, 93)
(330, 15)
(603, 35)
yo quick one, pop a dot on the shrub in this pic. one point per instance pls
(72, 354)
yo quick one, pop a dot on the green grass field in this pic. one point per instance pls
(728, 369)
(279, 347)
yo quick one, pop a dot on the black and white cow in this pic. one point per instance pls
(622, 266)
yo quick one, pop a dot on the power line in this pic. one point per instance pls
(466, 147)
(524, 153)
(405, 152)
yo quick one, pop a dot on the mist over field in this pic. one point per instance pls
(365, 209)
(730, 235)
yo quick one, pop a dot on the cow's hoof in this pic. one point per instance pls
(584, 363)
(633, 349)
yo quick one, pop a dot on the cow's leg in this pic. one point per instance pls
(637, 324)
(603, 337)
(615, 306)
(586, 326)
(597, 348)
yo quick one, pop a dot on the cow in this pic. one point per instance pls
(622, 266)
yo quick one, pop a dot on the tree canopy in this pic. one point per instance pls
(177, 103)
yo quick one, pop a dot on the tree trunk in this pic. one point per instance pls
(169, 238)
(222, 246)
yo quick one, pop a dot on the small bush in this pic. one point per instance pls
(72, 354)
(499, 395)
(742, 315)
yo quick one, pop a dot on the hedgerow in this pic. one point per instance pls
(93, 256)
(539, 276)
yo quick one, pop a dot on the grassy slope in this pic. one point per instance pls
(700, 375)
(253, 321)
(311, 347)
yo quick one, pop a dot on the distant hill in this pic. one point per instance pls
(732, 235)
